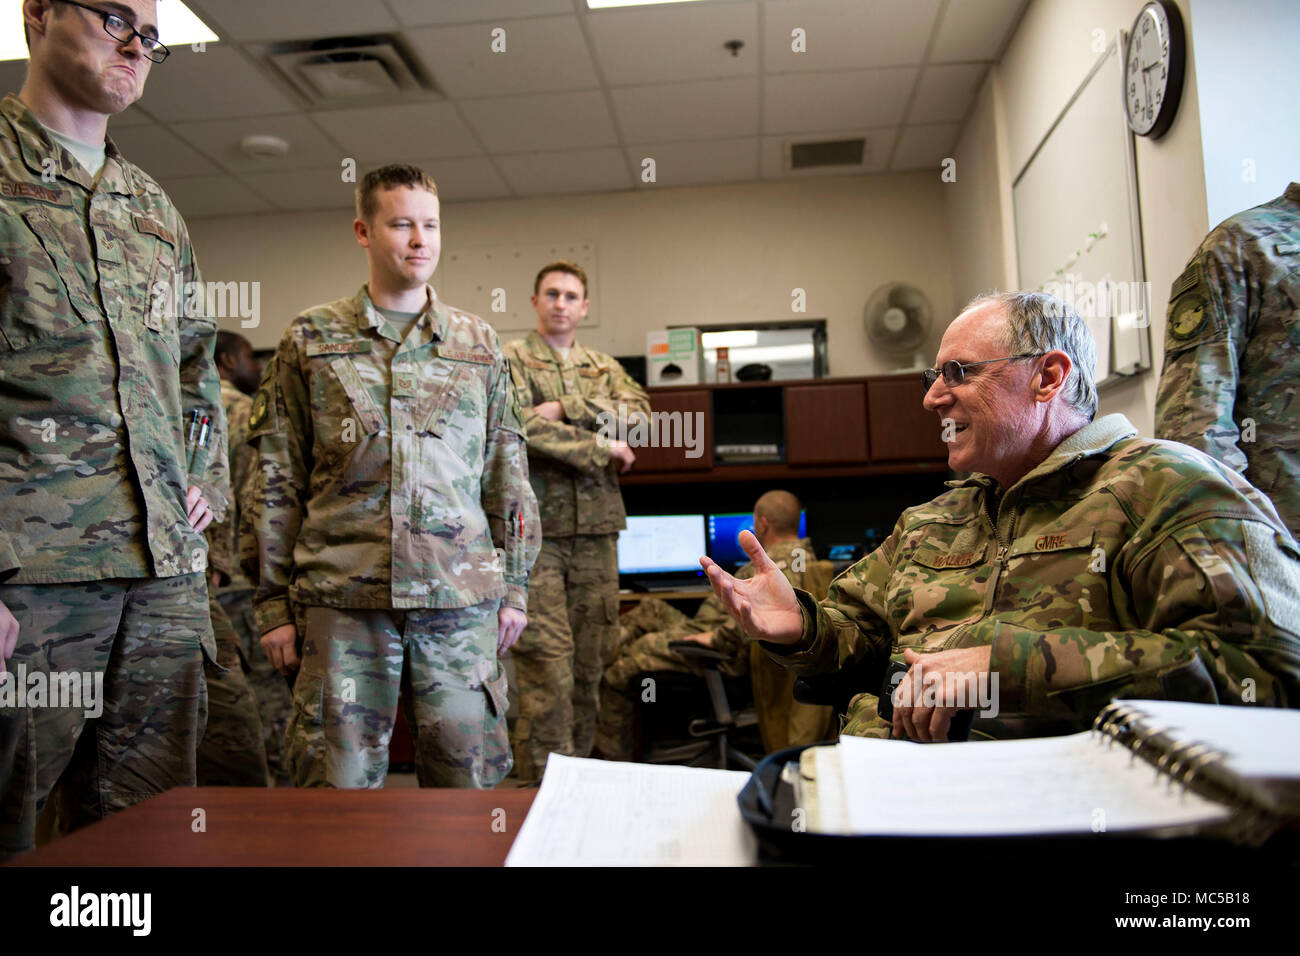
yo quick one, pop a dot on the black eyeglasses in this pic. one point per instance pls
(954, 373)
(119, 29)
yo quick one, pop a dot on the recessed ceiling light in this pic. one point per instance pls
(178, 26)
(607, 4)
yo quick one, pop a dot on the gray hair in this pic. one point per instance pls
(1038, 323)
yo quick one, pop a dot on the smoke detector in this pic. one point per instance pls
(264, 147)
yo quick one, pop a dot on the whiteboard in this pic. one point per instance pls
(1078, 232)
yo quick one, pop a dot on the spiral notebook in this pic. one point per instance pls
(1146, 767)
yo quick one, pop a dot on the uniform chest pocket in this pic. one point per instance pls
(42, 292)
(455, 408)
(1057, 576)
(939, 587)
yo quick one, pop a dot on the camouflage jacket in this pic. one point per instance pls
(222, 535)
(1119, 567)
(389, 468)
(792, 557)
(1231, 379)
(99, 372)
(577, 487)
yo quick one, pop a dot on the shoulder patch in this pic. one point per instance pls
(148, 226)
(257, 414)
(1187, 317)
(1190, 278)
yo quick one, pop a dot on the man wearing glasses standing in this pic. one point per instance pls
(104, 625)
(1076, 564)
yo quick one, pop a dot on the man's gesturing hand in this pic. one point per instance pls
(8, 635)
(764, 605)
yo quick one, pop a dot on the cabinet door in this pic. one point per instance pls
(902, 430)
(826, 424)
(682, 428)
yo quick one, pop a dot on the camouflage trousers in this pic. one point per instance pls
(274, 702)
(572, 630)
(355, 665)
(141, 640)
(231, 753)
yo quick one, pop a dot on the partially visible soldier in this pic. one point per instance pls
(248, 706)
(647, 631)
(1078, 563)
(1231, 379)
(102, 500)
(567, 391)
(391, 460)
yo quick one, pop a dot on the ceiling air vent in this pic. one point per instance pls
(845, 154)
(350, 71)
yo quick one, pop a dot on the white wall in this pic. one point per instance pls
(1046, 60)
(1249, 120)
(676, 256)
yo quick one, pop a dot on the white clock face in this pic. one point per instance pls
(1146, 74)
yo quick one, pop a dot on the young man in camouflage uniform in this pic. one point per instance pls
(1077, 564)
(249, 709)
(102, 505)
(566, 391)
(390, 461)
(647, 631)
(1231, 379)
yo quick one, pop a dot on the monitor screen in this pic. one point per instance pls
(652, 544)
(725, 528)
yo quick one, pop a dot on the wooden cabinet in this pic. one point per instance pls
(900, 429)
(826, 424)
(683, 426)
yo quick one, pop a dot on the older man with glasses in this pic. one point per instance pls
(104, 493)
(1078, 562)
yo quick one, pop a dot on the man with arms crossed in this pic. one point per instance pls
(102, 504)
(390, 461)
(1077, 564)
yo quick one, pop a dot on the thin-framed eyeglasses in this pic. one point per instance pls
(119, 29)
(954, 373)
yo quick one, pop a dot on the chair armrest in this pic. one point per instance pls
(705, 656)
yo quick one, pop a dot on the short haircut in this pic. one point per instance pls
(781, 509)
(389, 177)
(1038, 323)
(229, 343)
(561, 265)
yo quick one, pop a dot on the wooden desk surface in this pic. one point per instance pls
(287, 827)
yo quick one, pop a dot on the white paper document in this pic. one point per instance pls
(1074, 784)
(607, 813)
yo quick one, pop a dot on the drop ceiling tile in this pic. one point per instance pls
(465, 179)
(303, 189)
(695, 164)
(416, 13)
(390, 134)
(875, 154)
(707, 109)
(946, 92)
(160, 153)
(220, 140)
(803, 102)
(547, 53)
(665, 44)
(975, 29)
(278, 20)
(925, 147)
(581, 171)
(547, 121)
(216, 84)
(197, 196)
(846, 34)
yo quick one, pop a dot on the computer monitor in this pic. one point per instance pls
(725, 528)
(661, 544)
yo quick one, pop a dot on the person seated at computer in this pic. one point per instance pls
(646, 632)
(1078, 563)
